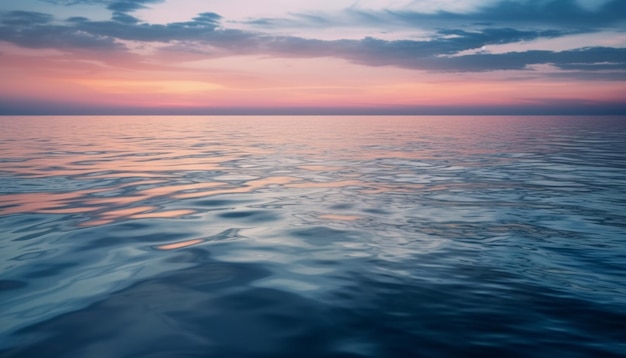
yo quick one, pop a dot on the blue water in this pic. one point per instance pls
(312, 236)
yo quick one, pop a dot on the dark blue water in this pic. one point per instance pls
(312, 236)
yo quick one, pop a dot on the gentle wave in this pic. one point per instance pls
(312, 236)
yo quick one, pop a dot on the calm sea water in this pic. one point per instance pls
(312, 236)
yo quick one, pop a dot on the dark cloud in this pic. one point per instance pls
(518, 13)
(128, 29)
(36, 30)
(421, 56)
(209, 17)
(24, 18)
(122, 8)
(432, 55)
(129, 5)
(590, 57)
(261, 21)
(442, 52)
(451, 41)
(553, 13)
(58, 37)
(435, 55)
(76, 19)
(124, 18)
(403, 53)
(564, 12)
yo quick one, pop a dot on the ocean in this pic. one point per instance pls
(304, 236)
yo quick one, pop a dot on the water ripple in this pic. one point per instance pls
(320, 236)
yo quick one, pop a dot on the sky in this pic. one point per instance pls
(312, 57)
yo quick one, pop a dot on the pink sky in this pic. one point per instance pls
(151, 56)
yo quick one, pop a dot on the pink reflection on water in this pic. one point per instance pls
(156, 154)
(109, 147)
(172, 189)
(181, 244)
(163, 214)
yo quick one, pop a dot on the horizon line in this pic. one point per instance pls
(614, 110)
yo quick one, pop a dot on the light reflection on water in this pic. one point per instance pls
(312, 236)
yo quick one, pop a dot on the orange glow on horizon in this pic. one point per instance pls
(148, 86)
(254, 82)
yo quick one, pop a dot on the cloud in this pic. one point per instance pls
(524, 13)
(124, 18)
(25, 18)
(122, 8)
(426, 55)
(76, 19)
(129, 5)
(208, 17)
(553, 12)
(443, 51)
(202, 28)
(592, 58)
(37, 30)
(435, 54)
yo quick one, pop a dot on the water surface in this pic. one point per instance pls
(312, 236)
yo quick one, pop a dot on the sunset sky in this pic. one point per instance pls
(312, 57)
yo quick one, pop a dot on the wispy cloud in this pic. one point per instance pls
(526, 13)
(478, 38)
(38, 30)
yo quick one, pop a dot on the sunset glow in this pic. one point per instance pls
(195, 57)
